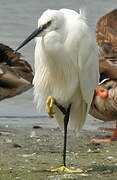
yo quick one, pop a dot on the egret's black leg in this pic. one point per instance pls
(60, 107)
(66, 113)
(66, 120)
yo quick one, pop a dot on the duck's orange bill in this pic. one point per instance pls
(102, 93)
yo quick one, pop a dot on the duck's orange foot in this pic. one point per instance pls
(65, 169)
(112, 138)
(101, 140)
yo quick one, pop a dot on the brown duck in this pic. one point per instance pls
(15, 73)
(104, 104)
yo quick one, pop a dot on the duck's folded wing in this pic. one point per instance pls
(106, 30)
(10, 79)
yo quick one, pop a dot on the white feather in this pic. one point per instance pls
(66, 65)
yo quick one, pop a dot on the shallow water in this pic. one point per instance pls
(17, 20)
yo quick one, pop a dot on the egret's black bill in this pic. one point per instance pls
(32, 36)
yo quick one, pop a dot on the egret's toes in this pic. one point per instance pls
(65, 169)
(49, 106)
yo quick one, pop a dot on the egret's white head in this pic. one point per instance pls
(50, 20)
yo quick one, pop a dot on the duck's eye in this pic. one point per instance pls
(109, 87)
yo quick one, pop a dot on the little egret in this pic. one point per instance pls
(66, 69)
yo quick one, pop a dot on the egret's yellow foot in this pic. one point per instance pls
(49, 106)
(65, 169)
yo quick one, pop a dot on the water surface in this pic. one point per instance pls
(17, 20)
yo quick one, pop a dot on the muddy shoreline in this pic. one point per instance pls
(26, 154)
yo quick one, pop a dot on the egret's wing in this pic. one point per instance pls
(88, 70)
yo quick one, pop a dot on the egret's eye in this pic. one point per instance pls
(49, 22)
(46, 25)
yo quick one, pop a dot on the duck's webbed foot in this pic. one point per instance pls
(112, 138)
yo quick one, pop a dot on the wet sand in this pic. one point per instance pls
(27, 152)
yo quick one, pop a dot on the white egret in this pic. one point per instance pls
(66, 68)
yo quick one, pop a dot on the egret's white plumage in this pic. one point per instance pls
(66, 64)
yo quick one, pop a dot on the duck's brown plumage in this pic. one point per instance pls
(106, 31)
(106, 34)
(15, 73)
(105, 108)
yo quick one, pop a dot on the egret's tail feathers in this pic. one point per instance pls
(78, 114)
(59, 117)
